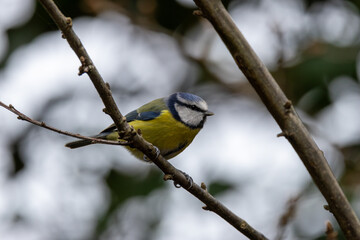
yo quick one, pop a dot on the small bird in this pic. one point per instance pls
(170, 123)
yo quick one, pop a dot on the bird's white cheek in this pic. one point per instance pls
(196, 119)
(188, 116)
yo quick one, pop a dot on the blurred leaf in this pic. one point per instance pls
(123, 187)
(18, 162)
(351, 176)
(38, 24)
(170, 14)
(306, 82)
(310, 2)
(219, 187)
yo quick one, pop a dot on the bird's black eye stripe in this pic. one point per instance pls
(191, 106)
(194, 107)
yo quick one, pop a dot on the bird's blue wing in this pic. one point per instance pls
(146, 112)
(142, 116)
(131, 116)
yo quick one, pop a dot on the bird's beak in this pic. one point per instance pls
(208, 113)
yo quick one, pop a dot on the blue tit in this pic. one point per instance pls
(170, 123)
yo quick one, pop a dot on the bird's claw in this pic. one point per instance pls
(146, 159)
(188, 178)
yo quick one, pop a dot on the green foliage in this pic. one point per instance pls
(39, 23)
(306, 81)
(219, 187)
(123, 187)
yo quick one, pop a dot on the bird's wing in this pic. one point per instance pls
(146, 112)
(142, 116)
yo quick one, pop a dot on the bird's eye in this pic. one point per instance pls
(193, 107)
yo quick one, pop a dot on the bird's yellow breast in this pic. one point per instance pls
(165, 132)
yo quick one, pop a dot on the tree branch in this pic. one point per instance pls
(284, 114)
(22, 116)
(287, 216)
(128, 133)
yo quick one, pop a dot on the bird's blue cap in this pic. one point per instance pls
(190, 97)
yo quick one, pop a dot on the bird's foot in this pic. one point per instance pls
(188, 178)
(146, 159)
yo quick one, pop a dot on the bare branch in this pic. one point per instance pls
(284, 114)
(22, 116)
(128, 133)
(287, 216)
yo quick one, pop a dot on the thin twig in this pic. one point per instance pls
(287, 216)
(284, 114)
(23, 117)
(127, 132)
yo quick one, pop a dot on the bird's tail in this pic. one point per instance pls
(79, 143)
(85, 142)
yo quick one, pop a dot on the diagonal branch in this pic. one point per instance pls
(129, 134)
(284, 114)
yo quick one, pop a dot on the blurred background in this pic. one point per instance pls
(148, 49)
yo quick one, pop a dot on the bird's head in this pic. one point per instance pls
(188, 108)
